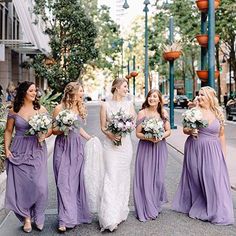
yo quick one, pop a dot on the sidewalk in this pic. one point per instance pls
(178, 138)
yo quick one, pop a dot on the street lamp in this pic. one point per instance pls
(120, 43)
(126, 5)
(146, 3)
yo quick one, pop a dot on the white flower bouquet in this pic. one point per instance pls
(120, 124)
(193, 119)
(153, 128)
(66, 121)
(39, 124)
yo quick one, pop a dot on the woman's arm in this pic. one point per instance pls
(49, 133)
(84, 134)
(188, 131)
(8, 136)
(132, 111)
(222, 139)
(56, 111)
(103, 121)
(166, 125)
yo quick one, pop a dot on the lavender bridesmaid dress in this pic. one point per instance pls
(27, 184)
(68, 165)
(149, 188)
(204, 190)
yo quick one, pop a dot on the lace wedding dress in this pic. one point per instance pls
(116, 186)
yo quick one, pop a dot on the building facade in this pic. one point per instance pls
(21, 38)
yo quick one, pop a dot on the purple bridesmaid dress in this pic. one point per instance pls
(27, 183)
(149, 189)
(204, 189)
(68, 165)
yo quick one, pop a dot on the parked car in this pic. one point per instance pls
(231, 109)
(166, 100)
(87, 98)
(181, 101)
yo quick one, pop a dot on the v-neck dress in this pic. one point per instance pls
(204, 190)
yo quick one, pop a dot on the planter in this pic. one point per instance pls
(49, 61)
(203, 39)
(203, 75)
(203, 5)
(128, 77)
(172, 55)
(134, 73)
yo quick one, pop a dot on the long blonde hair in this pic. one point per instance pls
(210, 93)
(68, 99)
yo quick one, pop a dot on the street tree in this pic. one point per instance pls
(187, 21)
(226, 26)
(72, 40)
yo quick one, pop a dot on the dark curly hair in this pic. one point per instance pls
(160, 104)
(20, 95)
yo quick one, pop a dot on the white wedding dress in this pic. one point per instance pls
(116, 186)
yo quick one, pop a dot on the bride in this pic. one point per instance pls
(116, 186)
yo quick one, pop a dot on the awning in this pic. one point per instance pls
(32, 34)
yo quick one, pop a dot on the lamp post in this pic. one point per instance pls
(171, 76)
(146, 2)
(211, 43)
(119, 43)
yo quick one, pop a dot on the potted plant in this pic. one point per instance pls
(203, 39)
(172, 52)
(203, 75)
(203, 5)
(134, 73)
(128, 76)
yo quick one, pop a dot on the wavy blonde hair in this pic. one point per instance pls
(210, 93)
(69, 96)
(117, 83)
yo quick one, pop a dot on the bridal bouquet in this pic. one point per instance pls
(120, 124)
(153, 128)
(66, 121)
(193, 119)
(39, 124)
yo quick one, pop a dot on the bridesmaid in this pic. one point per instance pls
(204, 189)
(151, 160)
(68, 163)
(27, 184)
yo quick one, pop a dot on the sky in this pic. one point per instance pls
(135, 7)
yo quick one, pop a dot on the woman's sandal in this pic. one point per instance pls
(27, 228)
(62, 229)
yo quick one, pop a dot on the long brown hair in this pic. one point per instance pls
(68, 98)
(160, 109)
(21, 91)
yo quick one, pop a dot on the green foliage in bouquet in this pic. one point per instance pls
(3, 112)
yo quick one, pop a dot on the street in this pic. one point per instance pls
(168, 223)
